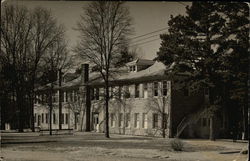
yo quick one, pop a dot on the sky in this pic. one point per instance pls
(147, 17)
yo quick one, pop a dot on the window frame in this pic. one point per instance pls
(136, 120)
(155, 120)
(155, 89)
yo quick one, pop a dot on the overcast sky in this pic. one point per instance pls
(147, 17)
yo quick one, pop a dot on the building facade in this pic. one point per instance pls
(142, 102)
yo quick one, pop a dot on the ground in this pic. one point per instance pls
(95, 147)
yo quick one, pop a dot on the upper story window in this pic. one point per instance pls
(145, 90)
(126, 92)
(132, 68)
(155, 88)
(164, 88)
(111, 91)
(75, 95)
(119, 91)
(137, 91)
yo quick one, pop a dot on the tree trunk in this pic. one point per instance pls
(32, 114)
(107, 109)
(20, 102)
(60, 96)
(245, 122)
(50, 109)
(163, 117)
(212, 129)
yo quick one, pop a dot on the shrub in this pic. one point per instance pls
(176, 144)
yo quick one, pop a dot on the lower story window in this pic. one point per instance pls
(66, 118)
(155, 120)
(136, 123)
(144, 121)
(127, 124)
(112, 120)
(54, 118)
(120, 120)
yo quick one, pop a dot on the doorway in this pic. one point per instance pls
(96, 121)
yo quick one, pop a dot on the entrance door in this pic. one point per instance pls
(96, 122)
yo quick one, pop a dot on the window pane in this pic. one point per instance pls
(136, 123)
(137, 92)
(120, 120)
(112, 120)
(145, 90)
(155, 120)
(145, 121)
(155, 88)
(127, 120)
(66, 118)
(164, 88)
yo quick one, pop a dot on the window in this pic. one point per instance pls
(155, 88)
(155, 120)
(145, 90)
(164, 88)
(71, 96)
(54, 118)
(127, 124)
(97, 93)
(112, 120)
(35, 118)
(75, 95)
(62, 118)
(119, 91)
(47, 118)
(120, 120)
(111, 92)
(66, 118)
(134, 68)
(144, 121)
(126, 92)
(137, 92)
(42, 118)
(39, 120)
(66, 95)
(136, 123)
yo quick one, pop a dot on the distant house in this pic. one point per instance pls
(143, 101)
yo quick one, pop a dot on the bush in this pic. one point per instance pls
(176, 144)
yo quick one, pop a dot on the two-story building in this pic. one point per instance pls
(143, 101)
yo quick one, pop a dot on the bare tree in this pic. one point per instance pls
(15, 44)
(103, 30)
(26, 35)
(78, 108)
(55, 59)
(161, 105)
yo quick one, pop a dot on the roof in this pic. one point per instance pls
(154, 72)
(121, 76)
(141, 62)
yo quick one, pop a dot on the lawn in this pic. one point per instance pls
(95, 147)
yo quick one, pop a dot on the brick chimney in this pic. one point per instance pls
(86, 90)
(85, 73)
